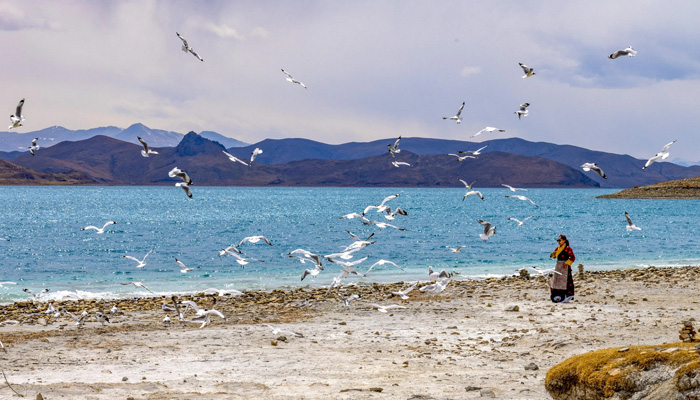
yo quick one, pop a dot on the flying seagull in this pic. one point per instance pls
(456, 250)
(183, 267)
(137, 284)
(520, 223)
(142, 262)
(456, 117)
(34, 147)
(395, 148)
(254, 154)
(276, 331)
(17, 119)
(254, 239)
(460, 157)
(662, 155)
(403, 293)
(630, 226)
(36, 294)
(178, 173)
(186, 188)
(382, 206)
(381, 262)
(78, 321)
(347, 300)
(292, 80)
(229, 250)
(473, 193)
(311, 271)
(476, 152)
(468, 186)
(7, 283)
(396, 163)
(511, 188)
(146, 151)
(99, 230)
(629, 51)
(186, 47)
(528, 71)
(520, 197)
(383, 309)
(234, 158)
(522, 112)
(489, 230)
(487, 129)
(543, 272)
(593, 167)
(436, 287)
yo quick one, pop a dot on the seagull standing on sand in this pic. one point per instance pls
(34, 147)
(662, 155)
(457, 116)
(292, 80)
(528, 71)
(520, 197)
(99, 230)
(142, 262)
(146, 151)
(629, 51)
(101, 317)
(523, 112)
(78, 321)
(487, 129)
(234, 158)
(520, 223)
(186, 47)
(489, 230)
(178, 173)
(254, 154)
(17, 119)
(593, 167)
(630, 226)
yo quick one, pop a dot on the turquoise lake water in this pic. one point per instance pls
(47, 248)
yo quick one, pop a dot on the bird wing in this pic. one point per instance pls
(460, 110)
(629, 220)
(354, 236)
(393, 196)
(525, 67)
(665, 149)
(181, 264)
(396, 143)
(18, 112)
(91, 227)
(195, 54)
(143, 142)
(184, 42)
(133, 258)
(108, 223)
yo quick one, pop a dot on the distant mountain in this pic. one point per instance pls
(621, 170)
(13, 141)
(11, 174)
(111, 161)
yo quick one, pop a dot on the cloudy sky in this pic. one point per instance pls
(374, 69)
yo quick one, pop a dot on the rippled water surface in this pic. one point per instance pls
(48, 248)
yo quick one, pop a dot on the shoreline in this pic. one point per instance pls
(475, 336)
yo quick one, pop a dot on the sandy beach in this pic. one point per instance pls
(473, 340)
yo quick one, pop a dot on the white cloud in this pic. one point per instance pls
(466, 71)
(15, 19)
(260, 32)
(224, 31)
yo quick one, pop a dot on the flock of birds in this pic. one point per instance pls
(343, 258)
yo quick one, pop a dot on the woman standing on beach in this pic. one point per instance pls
(562, 283)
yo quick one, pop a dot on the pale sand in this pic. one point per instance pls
(442, 346)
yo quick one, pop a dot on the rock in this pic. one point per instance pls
(513, 308)
(124, 379)
(472, 388)
(531, 367)
(487, 392)
(624, 349)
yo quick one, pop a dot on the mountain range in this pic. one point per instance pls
(302, 162)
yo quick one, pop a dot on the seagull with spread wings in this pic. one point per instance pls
(291, 79)
(34, 147)
(395, 147)
(141, 262)
(489, 230)
(520, 197)
(487, 129)
(17, 119)
(254, 154)
(254, 239)
(528, 71)
(178, 173)
(630, 226)
(146, 151)
(456, 117)
(520, 223)
(523, 112)
(511, 188)
(629, 51)
(186, 47)
(137, 284)
(593, 167)
(234, 158)
(662, 155)
(99, 230)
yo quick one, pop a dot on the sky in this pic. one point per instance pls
(374, 69)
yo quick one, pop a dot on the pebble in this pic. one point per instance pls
(531, 367)
(124, 379)
(487, 392)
